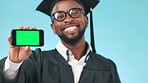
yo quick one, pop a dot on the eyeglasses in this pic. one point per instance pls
(73, 13)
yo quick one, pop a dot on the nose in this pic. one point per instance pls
(68, 18)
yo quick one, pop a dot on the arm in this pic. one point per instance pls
(11, 69)
(3, 79)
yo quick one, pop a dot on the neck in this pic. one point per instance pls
(78, 49)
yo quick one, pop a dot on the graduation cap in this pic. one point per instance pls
(46, 7)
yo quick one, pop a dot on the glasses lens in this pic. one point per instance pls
(59, 16)
(75, 12)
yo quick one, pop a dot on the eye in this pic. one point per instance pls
(59, 15)
(74, 12)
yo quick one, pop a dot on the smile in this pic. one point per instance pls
(70, 29)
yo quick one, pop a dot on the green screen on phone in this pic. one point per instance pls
(27, 38)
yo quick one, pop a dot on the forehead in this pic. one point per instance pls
(66, 5)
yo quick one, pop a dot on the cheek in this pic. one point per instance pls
(57, 28)
(84, 23)
(53, 28)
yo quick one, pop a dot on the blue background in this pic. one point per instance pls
(121, 32)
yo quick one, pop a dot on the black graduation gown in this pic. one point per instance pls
(51, 67)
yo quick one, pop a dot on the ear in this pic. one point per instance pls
(86, 21)
(53, 28)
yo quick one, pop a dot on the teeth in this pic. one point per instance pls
(70, 29)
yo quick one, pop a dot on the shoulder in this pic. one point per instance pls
(37, 56)
(35, 61)
(99, 58)
(100, 61)
(39, 53)
(43, 58)
(52, 56)
(2, 62)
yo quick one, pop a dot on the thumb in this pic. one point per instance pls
(10, 41)
(28, 50)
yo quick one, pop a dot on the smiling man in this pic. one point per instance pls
(72, 61)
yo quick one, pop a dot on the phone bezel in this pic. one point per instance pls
(41, 36)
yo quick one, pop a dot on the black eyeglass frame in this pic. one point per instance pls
(65, 14)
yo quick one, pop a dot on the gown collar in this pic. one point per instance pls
(65, 52)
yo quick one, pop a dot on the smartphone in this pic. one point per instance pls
(21, 37)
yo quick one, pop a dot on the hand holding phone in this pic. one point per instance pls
(18, 53)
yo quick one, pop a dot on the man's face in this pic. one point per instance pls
(70, 30)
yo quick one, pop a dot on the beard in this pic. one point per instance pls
(74, 40)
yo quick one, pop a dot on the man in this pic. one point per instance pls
(73, 60)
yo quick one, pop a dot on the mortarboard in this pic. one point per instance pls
(46, 7)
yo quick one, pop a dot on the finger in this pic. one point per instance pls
(28, 50)
(33, 27)
(27, 27)
(21, 27)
